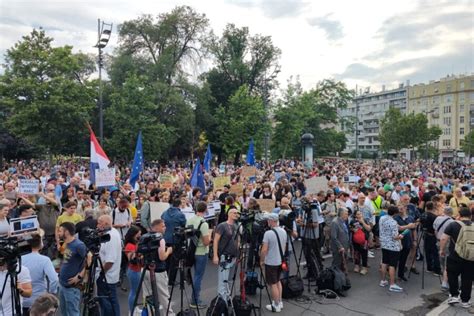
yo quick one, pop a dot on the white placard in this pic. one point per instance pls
(157, 209)
(29, 186)
(212, 207)
(105, 177)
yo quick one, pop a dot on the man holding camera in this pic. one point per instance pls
(273, 247)
(226, 250)
(111, 257)
(202, 251)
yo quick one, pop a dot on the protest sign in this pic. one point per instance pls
(266, 205)
(157, 209)
(237, 188)
(105, 177)
(248, 171)
(166, 181)
(29, 186)
(219, 182)
(212, 208)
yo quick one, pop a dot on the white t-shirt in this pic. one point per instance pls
(122, 218)
(111, 251)
(6, 304)
(273, 257)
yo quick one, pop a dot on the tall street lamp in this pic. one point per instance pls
(104, 30)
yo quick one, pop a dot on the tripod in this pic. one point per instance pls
(14, 291)
(181, 287)
(91, 303)
(150, 267)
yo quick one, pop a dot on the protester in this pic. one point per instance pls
(134, 267)
(340, 239)
(360, 235)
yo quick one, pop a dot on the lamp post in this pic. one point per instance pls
(426, 143)
(104, 30)
(307, 150)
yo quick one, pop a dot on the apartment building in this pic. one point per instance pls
(449, 104)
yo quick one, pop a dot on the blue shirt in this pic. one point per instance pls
(406, 241)
(40, 267)
(74, 259)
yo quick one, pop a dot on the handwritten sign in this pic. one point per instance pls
(237, 189)
(28, 186)
(266, 205)
(248, 171)
(166, 181)
(105, 177)
(219, 182)
(157, 209)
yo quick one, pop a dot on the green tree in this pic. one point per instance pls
(243, 119)
(467, 144)
(48, 102)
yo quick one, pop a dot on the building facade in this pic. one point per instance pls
(449, 104)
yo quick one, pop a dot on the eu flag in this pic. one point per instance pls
(197, 178)
(207, 158)
(251, 154)
(137, 161)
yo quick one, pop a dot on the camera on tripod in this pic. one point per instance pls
(246, 217)
(148, 247)
(181, 235)
(308, 207)
(11, 249)
(287, 219)
(94, 237)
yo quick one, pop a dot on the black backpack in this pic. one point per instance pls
(242, 308)
(191, 249)
(251, 283)
(218, 307)
(325, 280)
(292, 286)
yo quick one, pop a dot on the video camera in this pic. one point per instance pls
(246, 217)
(308, 207)
(181, 236)
(148, 246)
(287, 219)
(92, 238)
(12, 248)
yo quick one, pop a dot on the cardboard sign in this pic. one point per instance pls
(29, 186)
(219, 182)
(266, 205)
(237, 188)
(248, 171)
(105, 177)
(157, 209)
(166, 181)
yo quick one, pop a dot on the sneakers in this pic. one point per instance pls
(453, 299)
(444, 287)
(281, 305)
(465, 304)
(395, 288)
(273, 308)
(198, 306)
(370, 254)
(383, 283)
(363, 271)
(356, 269)
(414, 271)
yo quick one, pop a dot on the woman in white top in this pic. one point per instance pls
(4, 225)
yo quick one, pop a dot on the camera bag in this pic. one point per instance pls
(292, 286)
(218, 307)
(241, 307)
(251, 283)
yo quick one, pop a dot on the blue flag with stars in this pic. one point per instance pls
(207, 158)
(197, 177)
(137, 161)
(251, 154)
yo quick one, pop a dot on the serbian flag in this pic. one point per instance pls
(99, 159)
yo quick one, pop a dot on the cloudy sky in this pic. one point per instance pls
(365, 42)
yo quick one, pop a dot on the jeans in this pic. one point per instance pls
(456, 267)
(223, 271)
(431, 254)
(199, 269)
(69, 301)
(134, 279)
(108, 300)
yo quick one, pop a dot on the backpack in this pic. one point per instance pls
(325, 280)
(191, 249)
(241, 307)
(359, 237)
(251, 283)
(464, 246)
(218, 307)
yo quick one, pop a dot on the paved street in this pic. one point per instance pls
(365, 297)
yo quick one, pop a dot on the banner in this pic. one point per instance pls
(266, 205)
(105, 177)
(219, 182)
(157, 209)
(238, 189)
(28, 186)
(248, 171)
(166, 181)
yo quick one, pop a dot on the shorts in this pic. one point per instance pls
(390, 257)
(272, 274)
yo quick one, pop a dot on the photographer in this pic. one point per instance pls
(111, 257)
(226, 250)
(273, 246)
(202, 251)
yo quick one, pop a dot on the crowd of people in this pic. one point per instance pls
(411, 210)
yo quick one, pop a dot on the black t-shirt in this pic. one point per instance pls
(223, 196)
(452, 230)
(428, 221)
(427, 197)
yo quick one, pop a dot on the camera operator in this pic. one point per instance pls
(111, 256)
(72, 270)
(158, 226)
(43, 276)
(271, 256)
(23, 284)
(226, 250)
(202, 252)
(431, 250)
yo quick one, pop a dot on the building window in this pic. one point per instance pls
(436, 99)
(471, 96)
(448, 88)
(447, 121)
(462, 97)
(461, 119)
(447, 109)
(446, 142)
(472, 83)
(461, 85)
(461, 108)
(461, 131)
(447, 131)
(448, 98)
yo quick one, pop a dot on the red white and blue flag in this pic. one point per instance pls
(99, 159)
